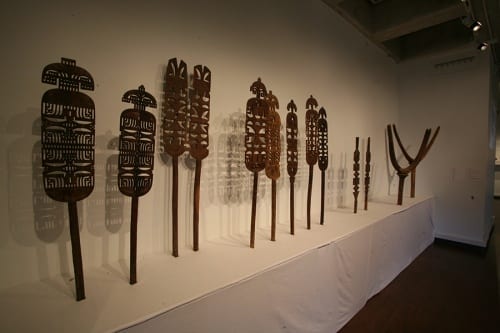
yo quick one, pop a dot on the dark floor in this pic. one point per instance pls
(448, 288)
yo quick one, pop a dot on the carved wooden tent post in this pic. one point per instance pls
(311, 148)
(174, 131)
(257, 110)
(273, 150)
(136, 158)
(355, 180)
(403, 172)
(411, 159)
(198, 135)
(322, 156)
(68, 139)
(368, 158)
(292, 156)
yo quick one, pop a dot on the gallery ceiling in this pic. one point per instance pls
(410, 29)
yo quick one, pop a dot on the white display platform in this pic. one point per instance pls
(314, 281)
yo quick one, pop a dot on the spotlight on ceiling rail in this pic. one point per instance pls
(471, 23)
(482, 46)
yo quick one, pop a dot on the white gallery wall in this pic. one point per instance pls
(297, 47)
(454, 93)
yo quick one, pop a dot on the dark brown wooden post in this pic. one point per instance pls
(292, 156)
(311, 148)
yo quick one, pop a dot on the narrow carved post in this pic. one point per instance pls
(292, 156)
(355, 181)
(136, 158)
(199, 116)
(368, 158)
(257, 110)
(175, 131)
(68, 139)
(311, 148)
(322, 156)
(273, 151)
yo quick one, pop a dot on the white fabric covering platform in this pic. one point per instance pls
(314, 281)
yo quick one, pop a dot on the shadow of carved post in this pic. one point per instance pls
(292, 156)
(255, 142)
(68, 140)
(403, 172)
(198, 135)
(411, 159)
(136, 158)
(368, 158)
(273, 151)
(311, 148)
(175, 132)
(355, 180)
(322, 157)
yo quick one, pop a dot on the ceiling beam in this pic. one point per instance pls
(420, 22)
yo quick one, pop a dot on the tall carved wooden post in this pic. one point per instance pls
(255, 142)
(174, 131)
(411, 159)
(68, 139)
(368, 158)
(403, 172)
(273, 151)
(311, 148)
(322, 156)
(198, 135)
(355, 180)
(136, 158)
(292, 156)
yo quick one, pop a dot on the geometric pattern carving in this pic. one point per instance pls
(68, 132)
(355, 180)
(368, 158)
(137, 144)
(68, 139)
(136, 158)
(273, 152)
(257, 110)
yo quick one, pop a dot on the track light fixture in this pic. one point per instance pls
(471, 23)
(482, 46)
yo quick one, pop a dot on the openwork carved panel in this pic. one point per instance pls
(255, 128)
(199, 113)
(68, 132)
(137, 144)
(273, 144)
(292, 157)
(176, 104)
(322, 140)
(311, 131)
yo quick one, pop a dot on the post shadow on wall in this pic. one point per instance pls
(115, 204)
(342, 180)
(34, 220)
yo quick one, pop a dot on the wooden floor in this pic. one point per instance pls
(448, 288)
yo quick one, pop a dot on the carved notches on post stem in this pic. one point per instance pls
(137, 144)
(355, 180)
(199, 113)
(292, 157)
(176, 108)
(322, 140)
(311, 131)
(68, 132)
(255, 128)
(273, 144)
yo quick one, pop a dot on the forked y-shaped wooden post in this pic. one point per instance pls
(403, 172)
(411, 159)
